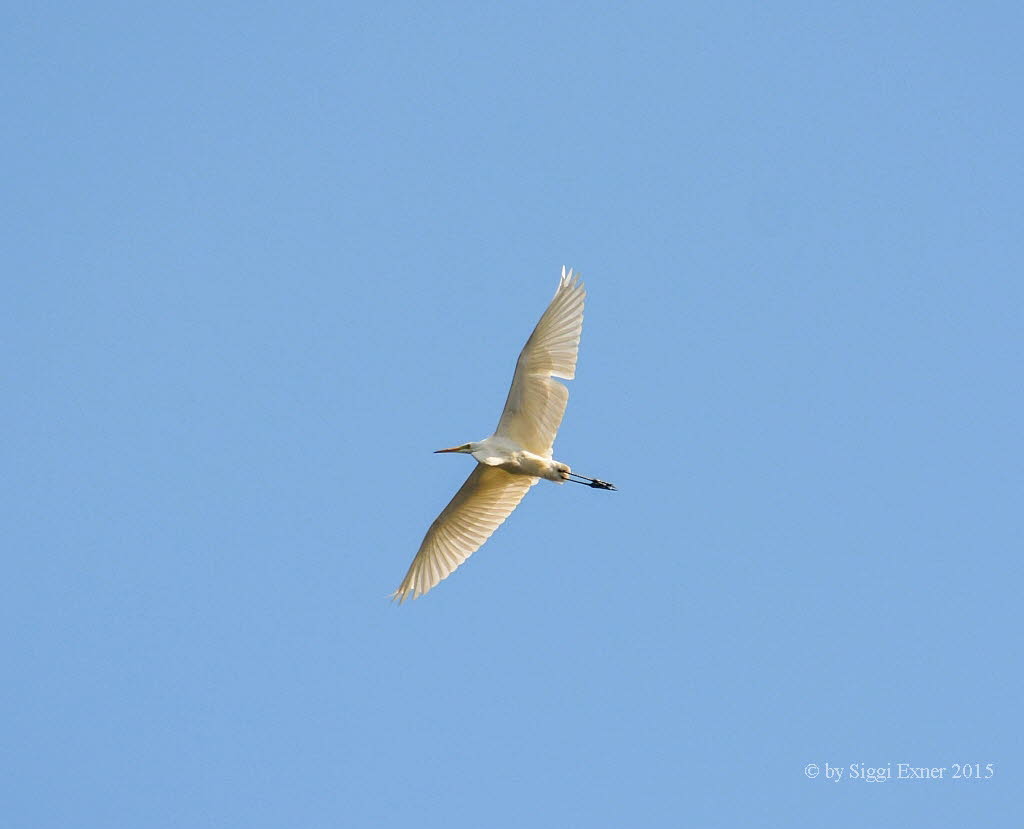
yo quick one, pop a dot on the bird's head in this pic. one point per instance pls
(466, 448)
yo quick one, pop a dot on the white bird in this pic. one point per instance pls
(518, 454)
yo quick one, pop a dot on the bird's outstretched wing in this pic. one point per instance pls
(483, 502)
(536, 403)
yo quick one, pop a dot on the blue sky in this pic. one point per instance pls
(262, 259)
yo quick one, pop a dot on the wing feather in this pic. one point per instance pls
(536, 402)
(480, 506)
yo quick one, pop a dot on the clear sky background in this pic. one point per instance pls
(261, 259)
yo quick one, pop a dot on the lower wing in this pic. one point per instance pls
(480, 506)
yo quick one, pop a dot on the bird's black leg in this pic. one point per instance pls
(594, 483)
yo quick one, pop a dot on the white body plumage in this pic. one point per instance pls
(500, 452)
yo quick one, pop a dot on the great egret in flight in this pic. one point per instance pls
(518, 454)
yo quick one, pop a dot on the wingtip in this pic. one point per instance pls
(570, 278)
(400, 595)
(409, 592)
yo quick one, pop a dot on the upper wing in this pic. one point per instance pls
(536, 403)
(485, 500)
